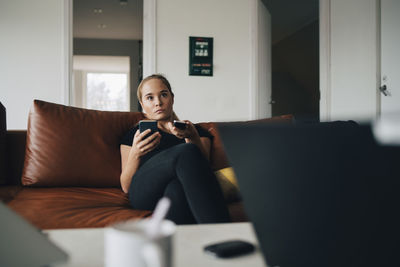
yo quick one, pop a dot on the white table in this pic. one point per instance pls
(85, 247)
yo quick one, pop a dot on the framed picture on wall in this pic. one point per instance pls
(201, 56)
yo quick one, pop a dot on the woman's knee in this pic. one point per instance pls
(188, 149)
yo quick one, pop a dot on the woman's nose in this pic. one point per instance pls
(158, 101)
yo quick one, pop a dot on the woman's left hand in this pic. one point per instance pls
(189, 132)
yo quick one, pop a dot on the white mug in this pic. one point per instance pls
(129, 244)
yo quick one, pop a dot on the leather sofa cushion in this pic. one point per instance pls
(8, 192)
(74, 207)
(82, 207)
(68, 146)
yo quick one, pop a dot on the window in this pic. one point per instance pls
(107, 91)
(101, 83)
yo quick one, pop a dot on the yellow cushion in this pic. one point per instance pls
(227, 180)
(230, 175)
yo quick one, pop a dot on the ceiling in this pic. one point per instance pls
(101, 63)
(108, 19)
(125, 22)
(288, 16)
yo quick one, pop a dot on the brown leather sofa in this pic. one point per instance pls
(63, 172)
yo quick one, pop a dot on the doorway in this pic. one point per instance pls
(103, 28)
(295, 58)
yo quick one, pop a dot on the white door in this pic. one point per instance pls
(390, 57)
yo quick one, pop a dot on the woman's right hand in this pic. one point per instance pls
(142, 145)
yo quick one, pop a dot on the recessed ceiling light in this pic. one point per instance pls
(101, 26)
(97, 11)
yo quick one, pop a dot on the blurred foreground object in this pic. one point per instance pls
(387, 129)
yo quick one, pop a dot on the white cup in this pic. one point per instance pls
(129, 244)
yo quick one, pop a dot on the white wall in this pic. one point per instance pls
(33, 56)
(226, 95)
(349, 59)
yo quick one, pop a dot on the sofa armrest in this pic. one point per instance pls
(15, 156)
(3, 131)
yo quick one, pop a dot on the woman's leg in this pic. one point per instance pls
(201, 189)
(179, 211)
(200, 185)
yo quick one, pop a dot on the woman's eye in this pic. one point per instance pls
(149, 98)
(164, 94)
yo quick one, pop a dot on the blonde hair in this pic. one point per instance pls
(161, 78)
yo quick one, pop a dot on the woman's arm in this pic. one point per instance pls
(129, 164)
(130, 155)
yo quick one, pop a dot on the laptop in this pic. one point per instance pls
(323, 194)
(21, 244)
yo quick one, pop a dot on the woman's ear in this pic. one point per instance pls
(141, 105)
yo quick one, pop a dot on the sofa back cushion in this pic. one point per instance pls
(68, 146)
(218, 158)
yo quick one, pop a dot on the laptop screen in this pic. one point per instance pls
(21, 244)
(317, 194)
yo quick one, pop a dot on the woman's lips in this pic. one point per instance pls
(160, 111)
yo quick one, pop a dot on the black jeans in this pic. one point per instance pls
(182, 174)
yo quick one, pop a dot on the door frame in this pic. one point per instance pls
(149, 37)
(67, 46)
(67, 50)
(325, 60)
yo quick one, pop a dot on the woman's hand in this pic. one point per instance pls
(192, 136)
(142, 145)
(189, 132)
(130, 155)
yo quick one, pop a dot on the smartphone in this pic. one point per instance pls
(181, 125)
(144, 125)
(229, 248)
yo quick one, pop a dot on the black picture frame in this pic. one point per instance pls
(201, 56)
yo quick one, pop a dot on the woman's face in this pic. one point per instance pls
(157, 101)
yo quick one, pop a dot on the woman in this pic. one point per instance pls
(171, 162)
